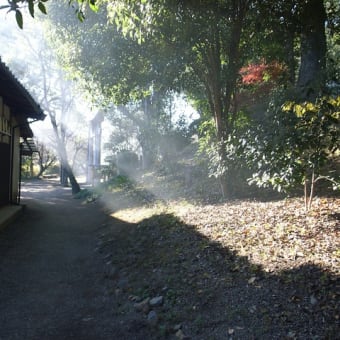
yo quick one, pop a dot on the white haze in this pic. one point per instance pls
(15, 50)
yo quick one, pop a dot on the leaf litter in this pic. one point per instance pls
(240, 269)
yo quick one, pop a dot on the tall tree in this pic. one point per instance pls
(184, 42)
(198, 47)
(45, 158)
(311, 79)
(47, 85)
(130, 75)
(57, 101)
(299, 27)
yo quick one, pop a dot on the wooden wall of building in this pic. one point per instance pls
(9, 156)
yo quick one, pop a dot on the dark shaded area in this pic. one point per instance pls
(209, 289)
(53, 284)
(4, 173)
(57, 281)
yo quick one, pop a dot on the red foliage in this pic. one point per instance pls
(262, 72)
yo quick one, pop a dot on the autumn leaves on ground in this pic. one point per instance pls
(240, 269)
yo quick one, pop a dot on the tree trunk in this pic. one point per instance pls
(74, 184)
(31, 167)
(290, 56)
(41, 171)
(63, 176)
(65, 166)
(222, 114)
(313, 50)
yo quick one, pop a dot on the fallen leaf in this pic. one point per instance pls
(252, 280)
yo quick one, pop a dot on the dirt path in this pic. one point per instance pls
(52, 279)
(69, 271)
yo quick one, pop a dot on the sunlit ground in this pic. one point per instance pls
(138, 214)
(270, 267)
(276, 234)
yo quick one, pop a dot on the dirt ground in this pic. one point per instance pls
(238, 269)
(54, 283)
(126, 267)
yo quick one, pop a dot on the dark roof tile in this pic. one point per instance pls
(17, 97)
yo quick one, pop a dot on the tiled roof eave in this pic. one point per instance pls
(16, 96)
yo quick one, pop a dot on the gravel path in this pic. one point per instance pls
(52, 281)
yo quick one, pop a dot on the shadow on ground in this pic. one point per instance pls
(211, 292)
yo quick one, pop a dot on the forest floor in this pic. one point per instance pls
(236, 269)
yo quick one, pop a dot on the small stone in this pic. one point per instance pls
(111, 271)
(107, 257)
(135, 298)
(253, 309)
(142, 306)
(313, 300)
(231, 331)
(291, 335)
(252, 280)
(177, 327)
(87, 319)
(122, 283)
(180, 335)
(152, 318)
(156, 301)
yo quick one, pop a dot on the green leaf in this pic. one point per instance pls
(80, 16)
(19, 19)
(42, 7)
(31, 8)
(93, 6)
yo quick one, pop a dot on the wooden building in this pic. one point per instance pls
(17, 110)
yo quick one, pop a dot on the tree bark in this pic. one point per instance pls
(290, 57)
(222, 112)
(65, 166)
(311, 77)
(63, 176)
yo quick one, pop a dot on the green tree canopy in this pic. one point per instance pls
(126, 50)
